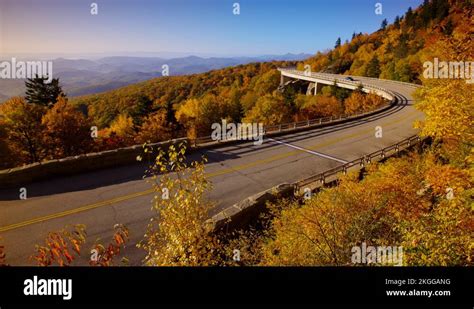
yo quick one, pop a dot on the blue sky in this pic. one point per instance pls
(188, 26)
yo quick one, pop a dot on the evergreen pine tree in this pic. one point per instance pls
(396, 23)
(409, 17)
(41, 93)
(141, 109)
(373, 67)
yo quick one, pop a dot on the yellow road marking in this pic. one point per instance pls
(75, 210)
(210, 175)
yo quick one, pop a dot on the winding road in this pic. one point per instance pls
(103, 198)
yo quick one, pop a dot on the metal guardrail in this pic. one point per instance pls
(359, 162)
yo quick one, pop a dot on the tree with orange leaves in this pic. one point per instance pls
(154, 129)
(67, 132)
(61, 248)
(22, 123)
(104, 255)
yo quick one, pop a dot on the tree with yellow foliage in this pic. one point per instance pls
(449, 108)
(270, 109)
(188, 114)
(447, 103)
(197, 115)
(179, 234)
(123, 127)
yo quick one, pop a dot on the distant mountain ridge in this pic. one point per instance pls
(83, 76)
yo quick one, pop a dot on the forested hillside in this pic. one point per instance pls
(169, 107)
(396, 50)
(168, 93)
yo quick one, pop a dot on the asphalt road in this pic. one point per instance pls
(103, 198)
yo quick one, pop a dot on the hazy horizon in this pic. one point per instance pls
(138, 54)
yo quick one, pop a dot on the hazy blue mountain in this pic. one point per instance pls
(84, 76)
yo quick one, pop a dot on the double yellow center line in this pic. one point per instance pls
(210, 175)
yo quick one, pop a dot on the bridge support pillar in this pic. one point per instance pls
(313, 88)
(283, 80)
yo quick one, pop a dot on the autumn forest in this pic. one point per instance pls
(401, 200)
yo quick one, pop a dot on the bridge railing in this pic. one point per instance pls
(359, 162)
(337, 76)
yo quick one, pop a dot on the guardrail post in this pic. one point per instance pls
(279, 128)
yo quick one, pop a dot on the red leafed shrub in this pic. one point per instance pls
(104, 255)
(61, 246)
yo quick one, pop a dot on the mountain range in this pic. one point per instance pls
(86, 76)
